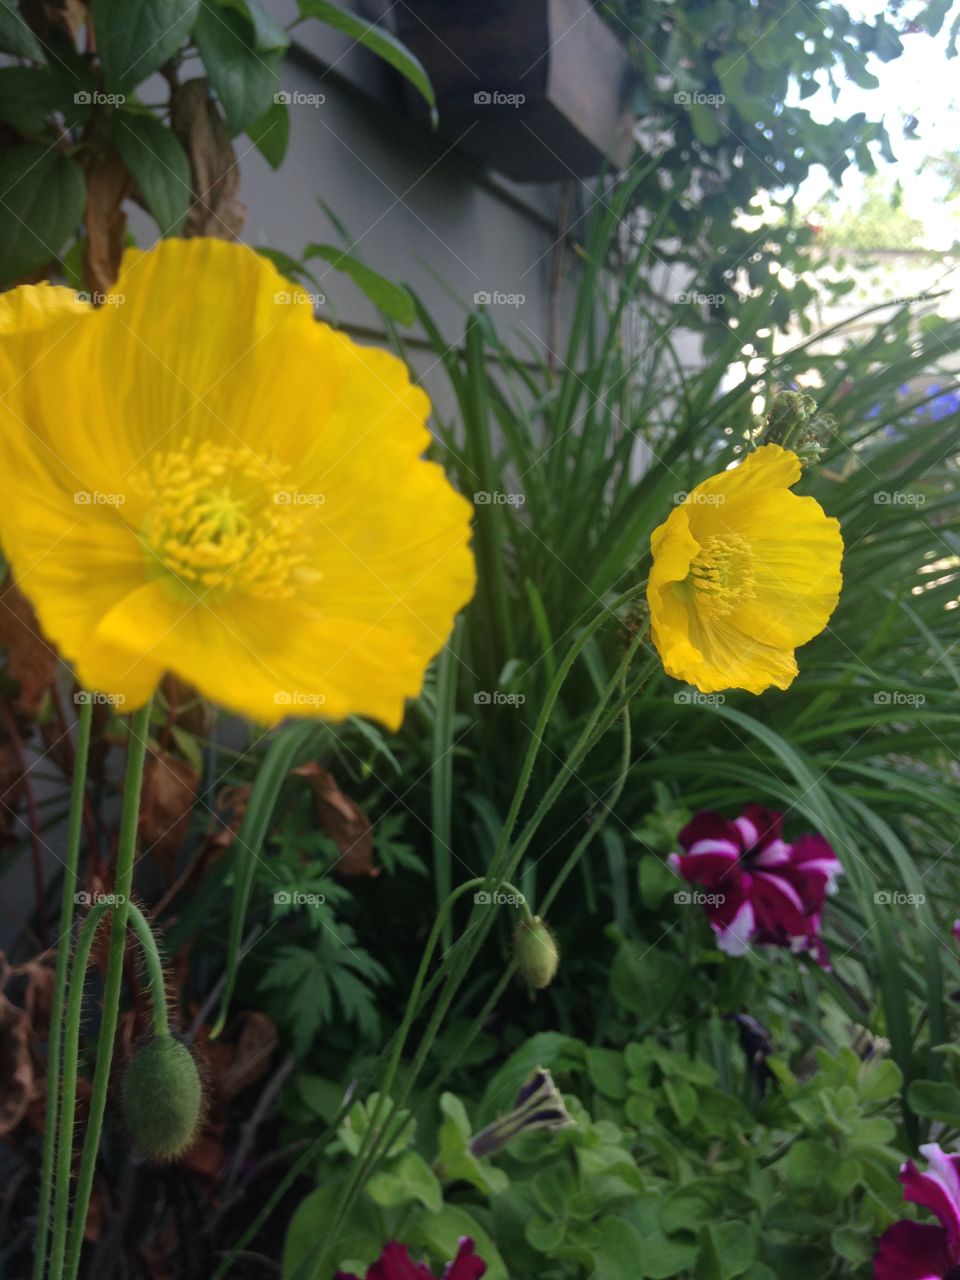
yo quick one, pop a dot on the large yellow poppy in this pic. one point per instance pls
(201, 478)
(744, 571)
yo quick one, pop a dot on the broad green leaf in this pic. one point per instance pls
(935, 1099)
(409, 1180)
(440, 1234)
(726, 1250)
(42, 194)
(378, 41)
(245, 80)
(619, 1250)
(268, 35)
(358, 1240)
(271, 134)
(392, 299)
(158, 164)
(28, 95)
(136, 37)
(15, 36)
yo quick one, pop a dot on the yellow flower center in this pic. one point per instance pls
(221, 522)
(722, 574)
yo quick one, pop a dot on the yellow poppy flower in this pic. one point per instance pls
(743, 572)
(201, 478)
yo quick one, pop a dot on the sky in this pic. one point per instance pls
(922, 82)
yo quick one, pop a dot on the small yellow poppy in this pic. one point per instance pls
(743, 572)
(201, 478)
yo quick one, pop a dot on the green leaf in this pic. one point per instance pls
(358, 1238)
(42, 195)
(705, 124)
(28, 95)
(663, 1257)
(936, 1100)
(271, 134)
(440, 1234)
(608, 1072)
(619, 1250)
(136, 37)
(15, 36)
(245, 80)
(809, 1163)
(726, 1250)
(268, 35)
(392, 299)
(158, 164)
(378, 41)
(409, 1180)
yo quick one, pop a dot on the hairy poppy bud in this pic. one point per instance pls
(535, 951)
(162, 1098)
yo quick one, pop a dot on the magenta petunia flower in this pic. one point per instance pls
(758, 889)
(915, 1250)
(395, 1263)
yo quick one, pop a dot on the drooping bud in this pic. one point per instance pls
(539, 1105)
(162, 1098)
(535, 951)
(794, 422)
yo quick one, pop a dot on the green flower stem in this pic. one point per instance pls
(151, 955)
(133, 782)
(68, 1110)
(67, 903)
(376, 1139)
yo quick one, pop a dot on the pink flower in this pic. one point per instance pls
(395, 1263)
(757, 887)
(917, 1251)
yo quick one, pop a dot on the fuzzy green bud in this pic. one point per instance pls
(536, 954)
(794, 422)
(162, 1098)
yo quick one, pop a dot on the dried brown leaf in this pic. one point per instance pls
(169, 797)
(16, 1065)
(30, 660)
(343, 820)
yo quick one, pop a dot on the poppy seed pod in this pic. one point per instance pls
(536, 954)
(162, 1098)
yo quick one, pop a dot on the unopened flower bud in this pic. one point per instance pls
(162, 1098)
(538, 1106)
(536, 954)
(794, 422)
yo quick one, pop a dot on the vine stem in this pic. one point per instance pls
(67, 904)
(133, 783)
